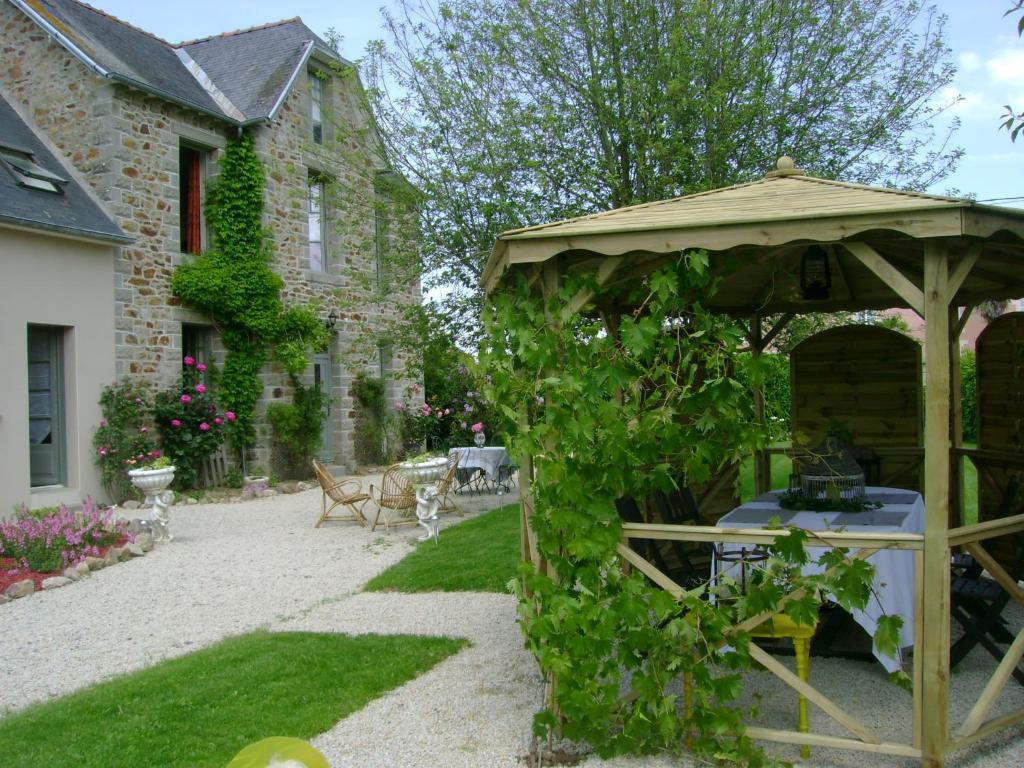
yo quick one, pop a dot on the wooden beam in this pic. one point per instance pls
(628, 554)
(996, 571)
(776, 330)
(840, 285)
(989, 529)
(763, 537)
(963, 268)
(820, 740)
(993, 726)
(961, 323)
(956, 425)
(891, 276)
(976, 718)
(812, 694)
(933, 645)
(604, 271)
(918, 668)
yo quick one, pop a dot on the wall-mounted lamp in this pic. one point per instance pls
(815, 277)
(331, 320)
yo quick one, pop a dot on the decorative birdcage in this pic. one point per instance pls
(829, 471)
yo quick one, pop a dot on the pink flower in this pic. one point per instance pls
(218, 421)
(189, 361)
(447, 411)
(103, 422)
(103, 451)
(478, 427)
(200, 388)
(426, 409)
(175, 423)
(201, 367)
(185, 399)
(143, 430)
(203, 427)
(399, 405)
(229, 415)
(155, 454)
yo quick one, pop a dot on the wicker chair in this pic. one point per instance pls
(395, 500)
(342, 493)
(448, 484)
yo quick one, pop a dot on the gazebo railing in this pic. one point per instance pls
(862, 545)
(975, 727)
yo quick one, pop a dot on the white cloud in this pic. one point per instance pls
(961, 102)
(1007, 67)
(969, 61)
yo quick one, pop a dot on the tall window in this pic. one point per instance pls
(317, 257)
(197, 343)
(46, 405)
(316, 107)
(190, 198)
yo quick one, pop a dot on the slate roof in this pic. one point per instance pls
(74, 212)
(124, 50)
(254, 66)
(247, 72)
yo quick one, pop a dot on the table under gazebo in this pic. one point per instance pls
(790, 244)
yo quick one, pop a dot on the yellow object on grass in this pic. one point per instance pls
(279, 751)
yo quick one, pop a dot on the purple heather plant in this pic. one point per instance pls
(49, 540)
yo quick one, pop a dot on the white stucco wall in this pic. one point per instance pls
(57, 281)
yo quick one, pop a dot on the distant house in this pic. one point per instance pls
(57, 253)
(144, 122)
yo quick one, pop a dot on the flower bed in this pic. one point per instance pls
(42, 543)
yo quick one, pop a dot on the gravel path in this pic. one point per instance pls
(260, 564)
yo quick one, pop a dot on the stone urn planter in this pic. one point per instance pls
(424, 476)
(154, 483)
(421, 472)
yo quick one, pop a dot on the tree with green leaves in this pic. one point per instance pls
(505, 114)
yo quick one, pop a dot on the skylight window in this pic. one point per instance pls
(27, 173)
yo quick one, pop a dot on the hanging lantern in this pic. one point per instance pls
(815, 277)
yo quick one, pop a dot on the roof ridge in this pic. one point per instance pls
(635, 206)
(889, 190)
(244, 31)
(122, 22)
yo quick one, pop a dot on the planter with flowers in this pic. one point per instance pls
(153, 479)
(423, 472)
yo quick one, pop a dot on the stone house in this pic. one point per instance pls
(145, 121)
(57, 251)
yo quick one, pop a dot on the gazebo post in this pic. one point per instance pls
(762, 460)
(934, 644)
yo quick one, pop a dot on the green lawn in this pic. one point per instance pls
(479, 555)
(199, 710)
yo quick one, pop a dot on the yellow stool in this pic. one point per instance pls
(801, 634)
(781, 625)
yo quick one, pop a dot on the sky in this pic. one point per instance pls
(986, 50)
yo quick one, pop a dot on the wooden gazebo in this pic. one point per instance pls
(883, 248)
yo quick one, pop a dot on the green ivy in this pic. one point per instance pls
(370, 419)
(296, 428)
(625, 408)
(235, 286)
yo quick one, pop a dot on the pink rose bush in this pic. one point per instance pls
(190, 423)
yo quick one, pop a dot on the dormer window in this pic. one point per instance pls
(316, 106)
(22, 166)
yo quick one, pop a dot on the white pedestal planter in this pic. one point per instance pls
(153, 483)
(424, 476)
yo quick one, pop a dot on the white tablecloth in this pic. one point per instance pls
(487, 459)
(894, 569)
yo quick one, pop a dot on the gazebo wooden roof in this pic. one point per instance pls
(875, 236)
(885, 248)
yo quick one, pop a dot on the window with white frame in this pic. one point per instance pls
(316, 106)
(317, 252)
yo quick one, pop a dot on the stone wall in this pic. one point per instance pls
(125, 143)
(348, 158)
